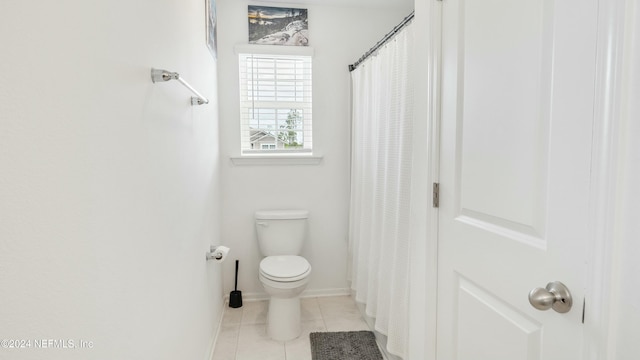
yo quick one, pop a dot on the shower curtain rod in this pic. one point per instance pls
(383, 41)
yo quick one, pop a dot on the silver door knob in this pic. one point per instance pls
(555, 296)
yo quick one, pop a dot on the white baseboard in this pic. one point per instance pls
(305, 294)
(214, 340)
(248, 297)
(325, 292)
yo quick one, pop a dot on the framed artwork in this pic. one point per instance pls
(278, 26)
(211, 28)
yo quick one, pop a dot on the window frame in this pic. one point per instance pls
(274, 159)
(276, 100)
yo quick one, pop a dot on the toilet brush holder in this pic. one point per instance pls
(235, 297)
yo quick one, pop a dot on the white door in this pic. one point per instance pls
(517, 113)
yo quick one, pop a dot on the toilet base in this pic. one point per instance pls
(283, 319)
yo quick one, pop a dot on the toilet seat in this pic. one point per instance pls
(285, 268)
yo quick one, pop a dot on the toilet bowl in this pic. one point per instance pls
(284, 277)
(284, 274)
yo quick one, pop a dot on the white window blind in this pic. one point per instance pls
(275, 103)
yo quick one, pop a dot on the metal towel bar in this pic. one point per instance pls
(164, 75)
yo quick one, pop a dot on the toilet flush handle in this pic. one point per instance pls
(263, 223)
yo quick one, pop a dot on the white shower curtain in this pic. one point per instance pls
(382, 93)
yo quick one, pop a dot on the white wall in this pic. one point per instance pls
(627, 288)
(339, 36)
(109, 184)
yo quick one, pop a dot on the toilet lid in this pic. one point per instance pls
(285, 268)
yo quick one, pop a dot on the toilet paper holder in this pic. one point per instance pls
(217, 253)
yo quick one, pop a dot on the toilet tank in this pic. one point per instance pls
(281, 232)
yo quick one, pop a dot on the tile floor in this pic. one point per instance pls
(243, 335)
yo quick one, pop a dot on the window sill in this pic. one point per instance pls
(253, 160)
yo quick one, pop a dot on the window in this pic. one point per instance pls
(275, 103)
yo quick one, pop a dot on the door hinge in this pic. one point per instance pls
(436, 195)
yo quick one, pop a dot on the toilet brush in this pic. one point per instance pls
(235, 298)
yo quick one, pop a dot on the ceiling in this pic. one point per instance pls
(350, 3)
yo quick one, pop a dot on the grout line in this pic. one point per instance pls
(284, 345)
(322, 316)
(235, 352)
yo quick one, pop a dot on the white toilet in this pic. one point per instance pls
(284, 274)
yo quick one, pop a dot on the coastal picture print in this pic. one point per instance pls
(278, 26)
(211, 27)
